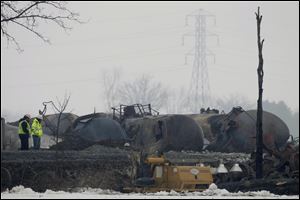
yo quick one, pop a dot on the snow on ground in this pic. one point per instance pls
(213, 192)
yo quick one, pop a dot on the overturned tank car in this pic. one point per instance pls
(150, 132)
(92, 129)
(164, 133)
(236, 131)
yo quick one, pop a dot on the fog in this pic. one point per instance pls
(145, 38)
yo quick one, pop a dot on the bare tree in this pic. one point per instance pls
(177, 102)
(59, 108)
(110, 80)
(28, 14)
(260, 74)
(144, 91)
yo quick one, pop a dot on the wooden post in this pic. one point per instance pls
(259, 130)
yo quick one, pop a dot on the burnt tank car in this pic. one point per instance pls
(236, 131)
(164, 133)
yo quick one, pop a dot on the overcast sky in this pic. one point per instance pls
(146, 38)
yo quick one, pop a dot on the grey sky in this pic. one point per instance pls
(145, 38)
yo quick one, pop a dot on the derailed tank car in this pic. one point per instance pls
(150, 132)
(164, 133)
(236, 131)
(92, 129)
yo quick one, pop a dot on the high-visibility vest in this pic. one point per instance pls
(36, 128)
(21, 131)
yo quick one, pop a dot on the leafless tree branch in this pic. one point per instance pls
(62, 105)
(110, 81)
(144, 91)
(28, 14)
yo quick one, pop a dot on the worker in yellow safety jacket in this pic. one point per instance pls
(37, 132)
(24, 131)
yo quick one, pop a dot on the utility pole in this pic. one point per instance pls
(199, 86)
(259, 130)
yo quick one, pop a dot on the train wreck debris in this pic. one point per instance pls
(109, 151)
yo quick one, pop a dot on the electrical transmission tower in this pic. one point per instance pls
(199, 86)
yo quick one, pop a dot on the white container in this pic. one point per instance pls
(222, 169)
(236, 168)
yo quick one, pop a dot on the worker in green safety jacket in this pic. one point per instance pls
(37, 132)
(24, 131)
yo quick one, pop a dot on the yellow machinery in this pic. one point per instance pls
(167, 177)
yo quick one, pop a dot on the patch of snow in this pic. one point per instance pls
(21, 189)
(213, 192)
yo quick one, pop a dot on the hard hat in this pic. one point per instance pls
(28, 116)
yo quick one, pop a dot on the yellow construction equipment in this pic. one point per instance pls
(167, 176)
